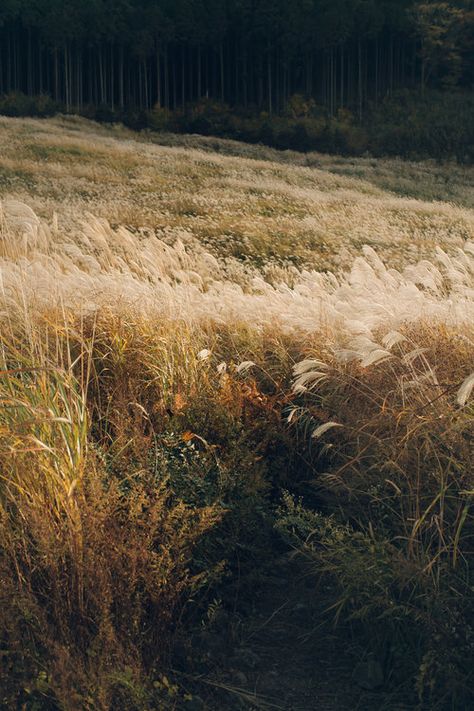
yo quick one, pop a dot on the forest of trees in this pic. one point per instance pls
(247, 53)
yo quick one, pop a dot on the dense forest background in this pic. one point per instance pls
(385, 77)
(167, 53)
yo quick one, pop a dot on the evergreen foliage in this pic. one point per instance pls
(254, 54)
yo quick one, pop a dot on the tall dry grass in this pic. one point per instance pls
(145, 382)
(95, 559)
(389, 418)
(121, 430)
(95, 556)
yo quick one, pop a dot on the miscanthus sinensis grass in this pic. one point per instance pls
(242, 299)
(256, 208)
(100, 265)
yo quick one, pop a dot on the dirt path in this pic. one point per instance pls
(284, 653)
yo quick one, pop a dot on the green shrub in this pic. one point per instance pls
(18, 104)
(300, 106)
(105, 114)
(159, 119)
(421, 632)
(437, 125)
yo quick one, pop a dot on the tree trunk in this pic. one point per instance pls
(221, 64)
(166, 78)
(199, 69)
(101, 78)
(112, 77)
(342, 75)
(56, 75)
(183, 77)
(269, 79)
(121, 79)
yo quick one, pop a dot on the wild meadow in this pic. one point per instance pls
(222, 366)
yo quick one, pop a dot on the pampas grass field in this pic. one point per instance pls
(206, 348)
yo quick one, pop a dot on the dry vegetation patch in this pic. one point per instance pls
(184, 335)
(227, 200)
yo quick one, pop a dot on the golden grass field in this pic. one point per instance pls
(286, 209)
(154, 287)
(145, 217)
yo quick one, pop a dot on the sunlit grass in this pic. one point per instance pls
(293, 201)
(177, 327)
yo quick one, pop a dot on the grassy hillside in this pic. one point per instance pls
(214, 355)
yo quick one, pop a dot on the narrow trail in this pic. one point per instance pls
(284, 653)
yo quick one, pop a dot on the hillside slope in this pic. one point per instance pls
(239, 201)
(236, 393)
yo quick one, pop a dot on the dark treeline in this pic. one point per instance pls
(248, 53)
